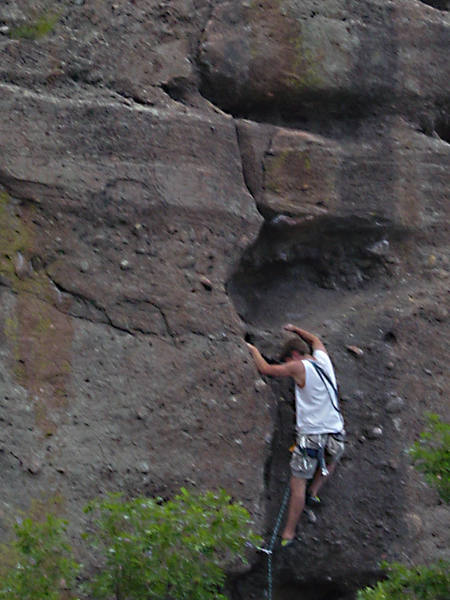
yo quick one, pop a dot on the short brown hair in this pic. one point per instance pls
(294, 345)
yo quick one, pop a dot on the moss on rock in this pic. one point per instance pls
(279, 59)
(39, 335)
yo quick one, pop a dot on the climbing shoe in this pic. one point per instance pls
(284, 543)
(312, 501)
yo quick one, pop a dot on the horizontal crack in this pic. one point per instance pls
(132, 99)
(106, 101)
(104, 317)
(88, 301)
(20, 188)
(108, 320)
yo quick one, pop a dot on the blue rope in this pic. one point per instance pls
(272, 542)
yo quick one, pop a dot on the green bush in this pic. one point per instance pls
(431, 454)
(176, 549)
(43, 563)
(417, 583)
(144, 548)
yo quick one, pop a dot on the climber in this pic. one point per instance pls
(319, 423)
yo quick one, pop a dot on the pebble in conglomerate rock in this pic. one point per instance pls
(374, 433)
(380, 248)
(395, 405)
(206, 283)
(143, 468)
(34, 466)
(414, 523)
(355, 350)
(310, 515)
(141, 412)
(21, 267)
(260, 385)
(397, 422)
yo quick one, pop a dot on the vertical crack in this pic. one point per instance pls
(255, 188)
(170, 333)
(243, 169)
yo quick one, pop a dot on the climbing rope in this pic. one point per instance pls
(269, 550)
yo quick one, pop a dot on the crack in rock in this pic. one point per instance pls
(164, 318)
(25, 189)
(90, 302)
(105, 318)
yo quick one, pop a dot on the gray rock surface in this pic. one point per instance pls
(176, 175)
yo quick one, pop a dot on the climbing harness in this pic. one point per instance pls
(318, 453)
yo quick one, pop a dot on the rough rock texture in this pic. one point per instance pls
(176, 175)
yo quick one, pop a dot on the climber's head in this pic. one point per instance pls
(294, 349)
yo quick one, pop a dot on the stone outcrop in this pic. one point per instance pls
(343, 58)
(178, 175)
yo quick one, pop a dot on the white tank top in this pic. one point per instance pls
(314, 411)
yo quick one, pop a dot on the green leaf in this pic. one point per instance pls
(431, 454)
(178, 548)
(416, 583)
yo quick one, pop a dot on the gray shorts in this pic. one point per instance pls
(305, 466)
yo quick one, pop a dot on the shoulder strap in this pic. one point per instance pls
(324, 376)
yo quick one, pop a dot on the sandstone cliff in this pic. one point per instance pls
(146, 150)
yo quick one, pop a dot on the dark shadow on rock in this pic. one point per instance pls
(289, 268)
(438, 4)
(442, 128)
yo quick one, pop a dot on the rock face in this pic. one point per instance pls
(176, 175)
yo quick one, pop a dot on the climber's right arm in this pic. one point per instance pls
(313, 340)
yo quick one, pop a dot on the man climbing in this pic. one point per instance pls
(319, 423)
